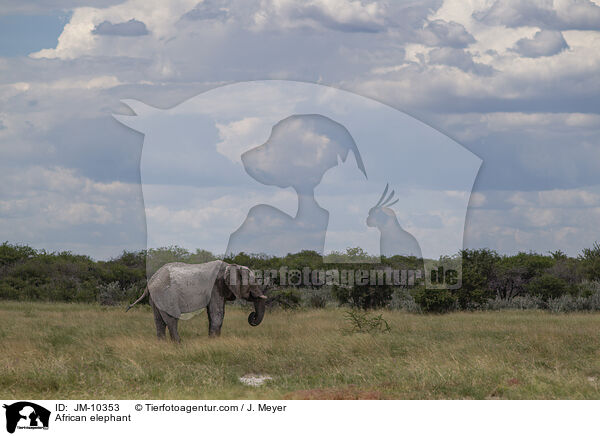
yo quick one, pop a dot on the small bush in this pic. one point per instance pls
(569, 303)
(588, 288)
(403, 300)
(110, 294)
(132, 293)
(436, 300)
(317, 302)
(526, 302)
(285, 298)
(10, 254)
(9, 292)
(360, 322)
(316, 298)
(363, 296)
(590, 261)
(565, 304)
(593, 301)
(547, 287)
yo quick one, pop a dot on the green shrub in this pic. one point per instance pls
(285, 298)
(317, 301)
(403, 300)
(8, 292)
(566, 303)
(593, 301)
(316, 298)
(547, 287)
(110, 294)
(363, 296)
(436, 300)
(590, 260)
(478, 267)
(360, 322)
(524, 302)
(10, 254)
(533, 264)
(588, 288)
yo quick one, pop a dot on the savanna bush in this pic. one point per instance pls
(569, 303)
(360, 321)
(588, 288)
(363, 296)
(10, 254)
(285, 298)
(593, 301)
(590, 261)
(404, 301)
(478, 269)
(110, 294)
(547, 287)
(525, 302)
(436, 300)
(317, 298)
(566, 303)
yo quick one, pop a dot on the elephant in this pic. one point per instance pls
(180, 290)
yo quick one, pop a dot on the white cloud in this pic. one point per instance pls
(242, 135)
(78, 37)
(444, 33)
(460, 59)
(547, 14)
(542, 221)
(201, 223)
(57, 208)
(342, 15)
(90, 82)
(477, 199)
(543, 43)
(556, 198)
(472, 126)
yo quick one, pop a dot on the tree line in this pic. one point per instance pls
(552, 281)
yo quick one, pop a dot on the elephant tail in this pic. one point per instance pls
(138, 300)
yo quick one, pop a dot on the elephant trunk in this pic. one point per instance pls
(256, 317)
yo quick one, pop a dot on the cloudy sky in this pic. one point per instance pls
(514, 82)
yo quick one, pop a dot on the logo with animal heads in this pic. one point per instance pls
(26, 415)
(394, 240)
(277, 167)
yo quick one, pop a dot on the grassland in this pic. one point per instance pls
(81, 351)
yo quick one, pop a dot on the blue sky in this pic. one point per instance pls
(514, 82)
(24, 34)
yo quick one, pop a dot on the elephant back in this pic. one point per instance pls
(178, 288)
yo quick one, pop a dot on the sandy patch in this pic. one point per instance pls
(255, 380)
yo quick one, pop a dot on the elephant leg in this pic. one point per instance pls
(216, 313)
(172, 324)
(158, 321)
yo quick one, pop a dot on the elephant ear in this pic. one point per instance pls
(233, 280)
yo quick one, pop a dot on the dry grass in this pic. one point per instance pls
(73, 351)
